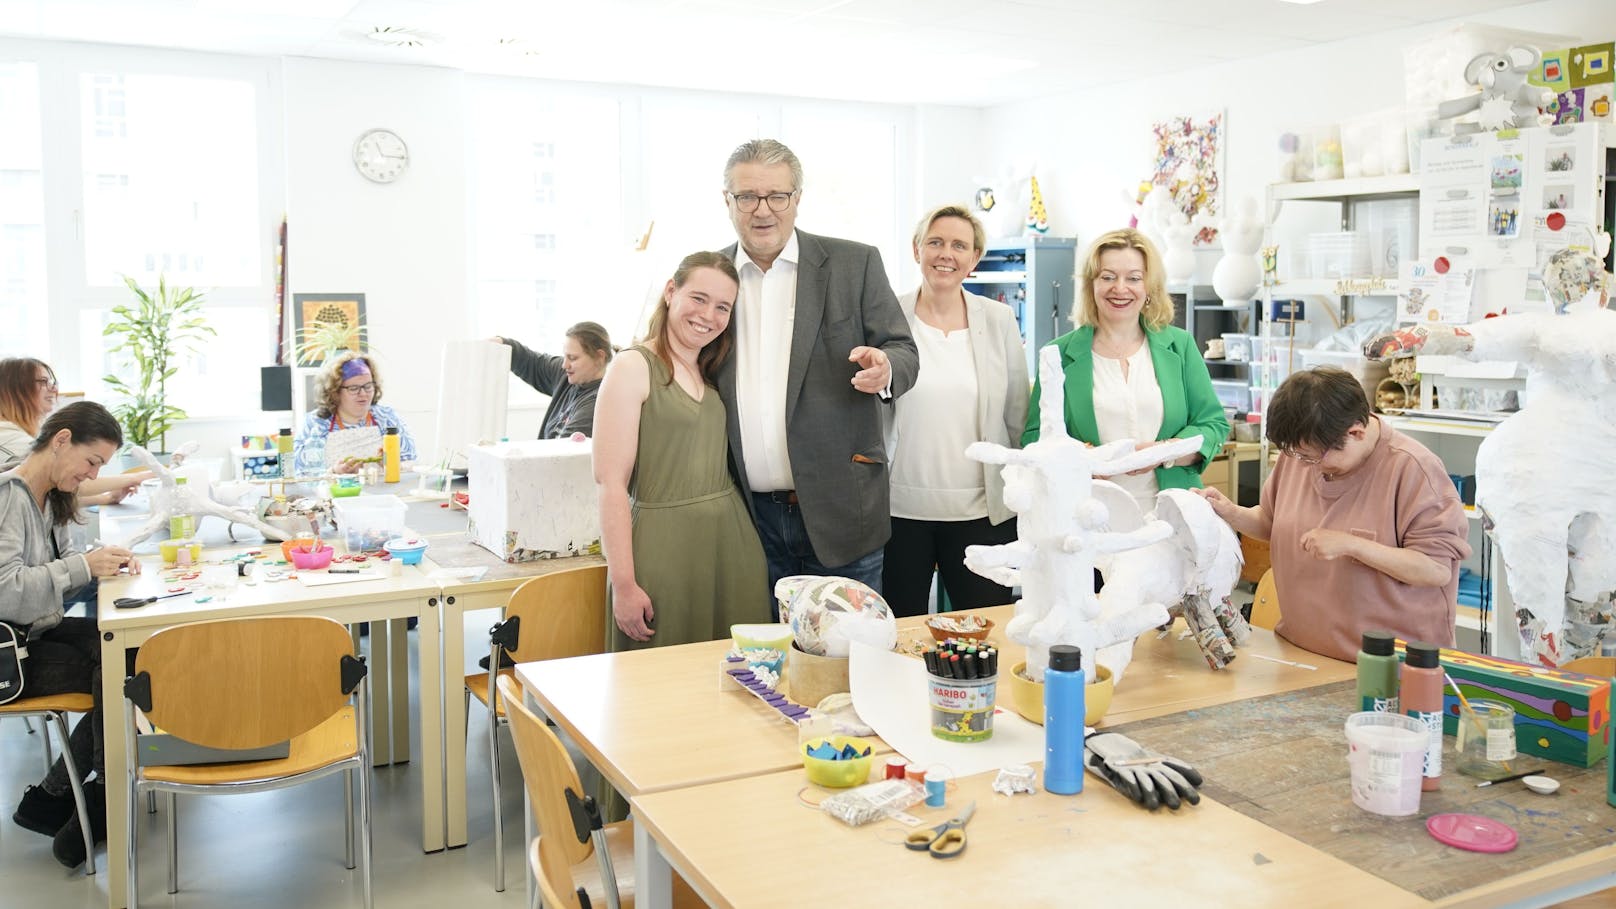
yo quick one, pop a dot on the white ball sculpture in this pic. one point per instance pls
(1238, 275)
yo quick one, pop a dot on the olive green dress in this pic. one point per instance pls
(696, 552)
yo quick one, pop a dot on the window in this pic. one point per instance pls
(555, 254)
(850, 168)
(684, 150)
(162, 196)
(24, 309)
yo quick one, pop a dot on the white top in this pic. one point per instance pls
(14, 441)
(932, 480)
(1129, 408)
(765, 312)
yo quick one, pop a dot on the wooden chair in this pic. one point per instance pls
(549, 617)
(53, 709)
(571, 832)
(251, 683)
(1265, 604)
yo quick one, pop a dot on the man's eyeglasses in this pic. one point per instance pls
(364, 389)
(1305, 459)
(748, 202)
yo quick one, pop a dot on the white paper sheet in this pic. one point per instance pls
(359, 442)
(889, 693)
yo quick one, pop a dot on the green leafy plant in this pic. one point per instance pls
(321, 341)
(153, 334)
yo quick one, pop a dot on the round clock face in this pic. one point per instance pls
(381, 156)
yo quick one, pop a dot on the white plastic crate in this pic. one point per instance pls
(1344, 254)
(1233, 393)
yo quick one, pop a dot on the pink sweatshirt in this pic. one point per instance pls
(1401, 496)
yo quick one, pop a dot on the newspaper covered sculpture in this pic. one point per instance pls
(171, 498)
(1062, 529)
(1542, 481)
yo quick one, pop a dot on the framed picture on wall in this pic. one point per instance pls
(324, 325)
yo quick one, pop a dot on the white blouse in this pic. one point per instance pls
(1129, 408)
(932, 480)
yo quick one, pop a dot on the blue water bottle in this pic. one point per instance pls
(1063, 721)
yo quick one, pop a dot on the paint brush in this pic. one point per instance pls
(1511, 778)
(1284, 662)
(1467, 710)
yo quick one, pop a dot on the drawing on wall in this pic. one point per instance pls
(327, 323)
(1189, 164)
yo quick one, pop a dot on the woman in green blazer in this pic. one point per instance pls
(1130, 373)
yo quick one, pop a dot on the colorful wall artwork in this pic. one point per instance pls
(314, 315)
(1582, 80)
(1189, 163)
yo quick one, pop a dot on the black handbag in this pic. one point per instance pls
(13, 650)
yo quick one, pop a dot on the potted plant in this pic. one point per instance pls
(320, 341)
(153, 334)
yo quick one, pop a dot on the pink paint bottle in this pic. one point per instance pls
(1422, 700)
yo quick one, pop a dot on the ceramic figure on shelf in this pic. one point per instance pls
(1178, 249)
(1237, 276)
(1155, 208)
(1037, 215)
(1557, 537)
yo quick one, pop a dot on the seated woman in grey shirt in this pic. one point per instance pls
(571, 379)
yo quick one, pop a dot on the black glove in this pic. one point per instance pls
(1145, 777)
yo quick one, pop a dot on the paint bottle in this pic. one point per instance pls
(1421, 698)
(390, 443)
(1377, 672)
(283, 445)
(1063, 720)
(180, 526)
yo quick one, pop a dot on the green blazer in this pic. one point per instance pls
(1189, 405)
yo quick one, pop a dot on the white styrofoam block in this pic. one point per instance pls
(533, 499)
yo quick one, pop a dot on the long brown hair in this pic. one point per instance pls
(19, 391)
(87, 423)
(712, 356)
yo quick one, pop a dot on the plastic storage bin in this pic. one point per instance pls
(1367, 372)
(368, 522)
(1272, 360)
(1236, 347)
(1232, 393)
(1375, 144)
(1339, 255)
(1259, 397)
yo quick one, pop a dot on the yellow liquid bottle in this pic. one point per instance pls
(390, 455)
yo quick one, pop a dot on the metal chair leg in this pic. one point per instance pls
(151, 801)
(169, 804)
(77, 786)
(347, 818)
(493, 765)
(131, 881)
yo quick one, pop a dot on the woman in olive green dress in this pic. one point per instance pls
(682, 553)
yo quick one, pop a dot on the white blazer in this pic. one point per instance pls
(1002, 387)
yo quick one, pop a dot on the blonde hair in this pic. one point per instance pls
(1158, 309)
(978, 234)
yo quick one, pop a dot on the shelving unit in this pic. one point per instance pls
(1033, 276)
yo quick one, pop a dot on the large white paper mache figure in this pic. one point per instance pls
(171, 498)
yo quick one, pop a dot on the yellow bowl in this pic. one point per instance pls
(776, 636)
(169, 550)
(838, 774)
(1028, 696)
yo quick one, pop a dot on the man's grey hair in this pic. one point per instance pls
(764, 151)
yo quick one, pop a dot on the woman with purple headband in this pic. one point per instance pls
(349, 402)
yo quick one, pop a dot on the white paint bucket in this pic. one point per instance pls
(1386, 752)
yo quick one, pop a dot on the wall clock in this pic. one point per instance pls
(380, 156)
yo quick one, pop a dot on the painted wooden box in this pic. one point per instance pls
(1563, 716)
(534, 499)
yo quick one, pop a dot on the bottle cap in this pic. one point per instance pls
(1065, 658)
(392, 430)
(1423, 655)
(286, 431)
(1379, 643)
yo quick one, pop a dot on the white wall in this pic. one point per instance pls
(1095, 146)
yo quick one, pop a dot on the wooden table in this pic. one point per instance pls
(491, 590)
(411, 594)
(648, 719)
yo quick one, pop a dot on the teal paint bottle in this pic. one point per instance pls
(1377, 672)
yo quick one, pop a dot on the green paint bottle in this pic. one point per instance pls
(1377, 672)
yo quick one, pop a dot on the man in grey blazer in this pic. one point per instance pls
(820, 348)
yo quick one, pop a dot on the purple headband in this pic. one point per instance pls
(355, 368)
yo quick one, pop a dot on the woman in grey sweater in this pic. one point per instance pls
(571, 380)
(38, 568)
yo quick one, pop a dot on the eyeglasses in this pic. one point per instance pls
(48, 384)
(748, 202)
(1305, 459)
(364, 389)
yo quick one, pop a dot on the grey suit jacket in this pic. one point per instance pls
(833, 430)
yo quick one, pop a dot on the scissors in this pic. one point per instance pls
(132, 602)
(944, 841)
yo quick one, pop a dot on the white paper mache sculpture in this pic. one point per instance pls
(171, 499)
(1062, 529)
(1543, 478)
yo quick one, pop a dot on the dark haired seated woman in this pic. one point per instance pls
(1366, 530)
(572, 380)
(38, 568)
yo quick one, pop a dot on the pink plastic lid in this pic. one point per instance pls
(1472, 832)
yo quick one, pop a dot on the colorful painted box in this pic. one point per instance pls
(1563, 716)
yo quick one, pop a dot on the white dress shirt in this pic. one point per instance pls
(1129, 408)
(764, 315)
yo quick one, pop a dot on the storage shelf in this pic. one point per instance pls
(1336, 190)
(1223, 307)
(1438, 427)
(1337, 287)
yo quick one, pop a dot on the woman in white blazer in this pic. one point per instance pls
(972, 387)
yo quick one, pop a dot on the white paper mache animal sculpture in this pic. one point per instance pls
(171, 499)
(1062, 529)
(1543, 476)
(1506, 100)
(1238, 274)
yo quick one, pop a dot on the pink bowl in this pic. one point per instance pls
(308, 560)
